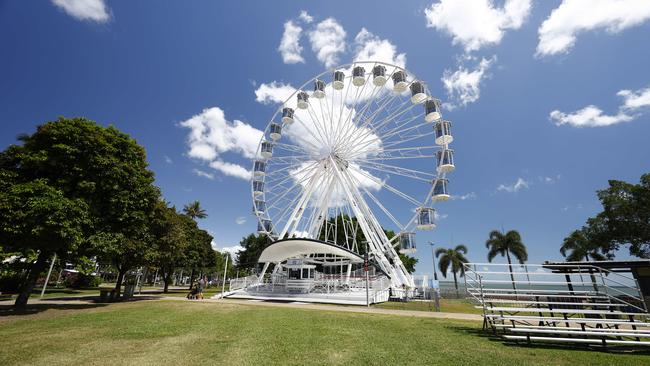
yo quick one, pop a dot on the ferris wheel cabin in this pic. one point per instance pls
(338, 80)
(287, 116)
(275, 131)
(399, 81)
(358, 76)
(379, 75)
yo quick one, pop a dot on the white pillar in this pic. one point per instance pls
(48, 275)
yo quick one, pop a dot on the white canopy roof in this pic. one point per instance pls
(291, 248)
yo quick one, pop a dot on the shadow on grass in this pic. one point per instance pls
(30, 309)
(489, 335)
(66, 303)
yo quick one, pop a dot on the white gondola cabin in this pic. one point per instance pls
(303, 100)
(258, 187)
(446, 160)
(259, 168)
(379, 75)
(426, 218)
(417, 93)
(432, 110)
(399, 81)
(319, 89)
(287, 116)
(275, 131)
(338, 80)
(443, 132)
(264, 226)
(441, 190)
(266, 149)
(407, 242)
(358, 76)
(259, 206)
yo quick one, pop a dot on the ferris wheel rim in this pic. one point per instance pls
(428, 201)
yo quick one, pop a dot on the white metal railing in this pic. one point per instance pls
(581, 279)
(243, 282)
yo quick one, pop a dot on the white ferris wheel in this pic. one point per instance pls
(365, 147)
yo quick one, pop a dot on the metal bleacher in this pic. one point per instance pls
(570, 302)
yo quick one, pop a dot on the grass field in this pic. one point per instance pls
(195, 333)
(446, 305)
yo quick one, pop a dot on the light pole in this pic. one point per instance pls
(435, 277)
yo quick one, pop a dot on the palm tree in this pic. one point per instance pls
(505, 245)
(195, 211)
(454, 257)
(582, 248)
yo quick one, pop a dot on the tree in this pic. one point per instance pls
(35, 216)
(454, 257)
(106, 169)
(625, 219)
(169, 240)
(505, 245)
(253, 246)
(199, 254)
(195, 211)
(577, 247)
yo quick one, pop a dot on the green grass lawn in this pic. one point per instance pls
(195, 333)
(446, 305)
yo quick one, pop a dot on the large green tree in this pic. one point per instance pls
(101, 166)
(169, 240)
(35, 216)
(507, 245)
(253, 246)
(454, 258)
(625, 219)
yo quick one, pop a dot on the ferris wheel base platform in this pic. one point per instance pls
(343, 298)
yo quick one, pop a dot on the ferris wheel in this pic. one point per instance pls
(365, 148)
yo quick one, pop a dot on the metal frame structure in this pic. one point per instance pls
(334, 168)
(562, 303)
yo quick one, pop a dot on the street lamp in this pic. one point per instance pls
(435, 277)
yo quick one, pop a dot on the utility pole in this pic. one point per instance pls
(436, 291)
(48, 275)
(225, 268)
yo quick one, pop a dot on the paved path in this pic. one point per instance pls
(348, 309)
(311, 306)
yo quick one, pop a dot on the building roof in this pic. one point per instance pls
(614, 266)
(290, 248)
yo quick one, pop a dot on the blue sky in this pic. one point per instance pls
(549, 99)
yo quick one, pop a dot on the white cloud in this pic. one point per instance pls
(592, 116)
(550, 180)
(438, 217)
(168, 160)
(463, 85)
(467, 196)
(232, 250)
(231, 169)
(305, 17)
(201, 173)
(274, 92)
(328, 41)
(635, 99)
(211, 134)
(369, 47)
(90, 10)
(290, 47)
(476, 23)
(558, 32)
(241, 220)
(515, 187)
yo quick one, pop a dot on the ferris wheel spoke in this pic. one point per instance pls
(388, 168)
(377, 202)
(320, 140)
(391, 188)
(409, 139)
(292, 148)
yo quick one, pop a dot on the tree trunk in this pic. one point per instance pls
(167, 278)
(30, 280)
(120, 278)
(512, 276)
(456, 285)
(192, 278)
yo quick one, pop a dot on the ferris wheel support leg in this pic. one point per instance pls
(261, 279)
(347, 276)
